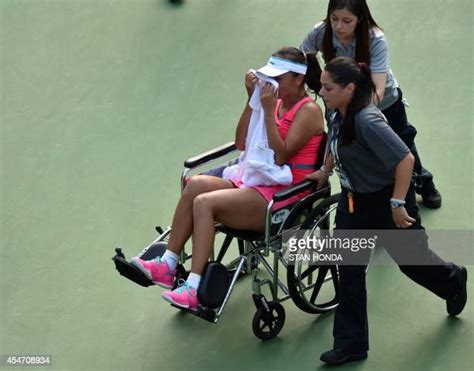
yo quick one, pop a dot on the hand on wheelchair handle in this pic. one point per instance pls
(401, 218)
(319, 177)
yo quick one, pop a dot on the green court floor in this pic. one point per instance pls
(102, 100)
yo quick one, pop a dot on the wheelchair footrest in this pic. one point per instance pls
(214, 285)
(203, 312)
(129, 271)
(133, 273)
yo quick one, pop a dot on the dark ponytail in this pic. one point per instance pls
(344, 71)
(313, 73)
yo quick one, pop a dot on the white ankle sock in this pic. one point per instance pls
(171, 259)
(194, 280)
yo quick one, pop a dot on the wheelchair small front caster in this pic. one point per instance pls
(268, 320)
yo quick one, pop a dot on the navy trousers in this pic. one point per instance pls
(397, 119)
(372, 211)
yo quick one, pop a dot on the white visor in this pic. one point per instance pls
(278, 66)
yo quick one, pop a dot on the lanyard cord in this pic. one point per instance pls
(334, 143)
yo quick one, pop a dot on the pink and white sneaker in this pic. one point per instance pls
(156, 271)
(183, 296)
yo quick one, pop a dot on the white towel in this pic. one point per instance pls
(256, 166)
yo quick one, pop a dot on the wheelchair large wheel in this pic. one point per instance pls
(305, 279)
(266, 324)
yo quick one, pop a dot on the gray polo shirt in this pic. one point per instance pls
(370, 160)
(379, 61)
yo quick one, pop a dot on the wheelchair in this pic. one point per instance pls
(313, 288)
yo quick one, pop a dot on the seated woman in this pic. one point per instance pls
(294, 125)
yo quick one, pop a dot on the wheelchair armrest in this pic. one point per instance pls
(294, 190)
(209, 155)
(301, 187)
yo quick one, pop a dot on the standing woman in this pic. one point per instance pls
(349, 30)
(375, 169)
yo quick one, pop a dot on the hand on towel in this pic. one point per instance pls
(268, 97)
(250, 82)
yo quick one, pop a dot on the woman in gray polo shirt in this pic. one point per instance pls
(375, 169)
(349, 30)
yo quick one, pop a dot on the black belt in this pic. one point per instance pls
(302, 166)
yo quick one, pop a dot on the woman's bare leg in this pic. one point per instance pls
(182, 225)
(239, 208)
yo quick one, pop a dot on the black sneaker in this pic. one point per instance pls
(337, 356)
(431, 198)
(456, 304)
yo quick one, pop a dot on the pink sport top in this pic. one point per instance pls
(304, 161)
(301, 164)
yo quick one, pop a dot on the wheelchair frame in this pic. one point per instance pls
(254, 248)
